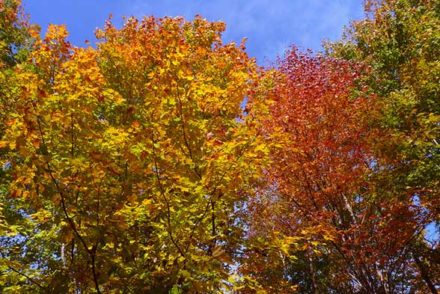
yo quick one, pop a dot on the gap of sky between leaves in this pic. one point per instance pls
(270, 26)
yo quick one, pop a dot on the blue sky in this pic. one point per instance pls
(270, 26)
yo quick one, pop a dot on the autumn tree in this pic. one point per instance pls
(15, 33)
(399, 40)
(129, 163)
(15, 45)
(327, 229)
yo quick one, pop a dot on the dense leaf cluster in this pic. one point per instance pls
(163, 160)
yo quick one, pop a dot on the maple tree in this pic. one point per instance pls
(334, 230)
(318, 158)
(129, 162)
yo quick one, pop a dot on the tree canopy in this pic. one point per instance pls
(164, 160)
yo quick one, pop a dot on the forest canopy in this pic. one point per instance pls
(164, 160)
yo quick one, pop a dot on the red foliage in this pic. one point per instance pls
(320, 176)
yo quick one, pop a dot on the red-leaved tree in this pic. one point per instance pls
(320, 210)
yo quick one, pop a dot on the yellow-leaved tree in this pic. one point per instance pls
(130, 162)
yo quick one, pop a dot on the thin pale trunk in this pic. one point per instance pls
(349, 208)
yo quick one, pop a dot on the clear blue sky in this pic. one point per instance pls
(269, 25)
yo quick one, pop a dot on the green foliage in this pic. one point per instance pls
(15, 33)
(400, 42)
